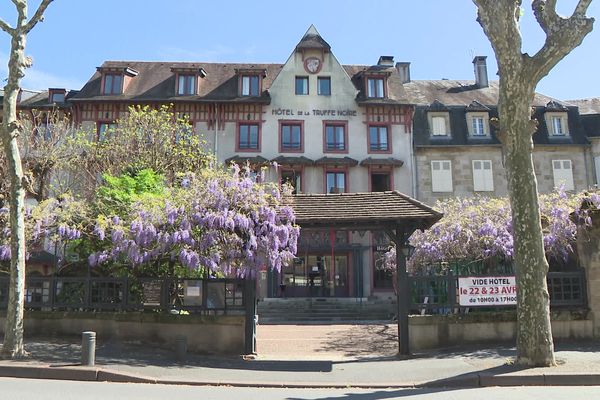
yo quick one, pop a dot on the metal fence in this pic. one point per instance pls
(209, 296)
(438, 294)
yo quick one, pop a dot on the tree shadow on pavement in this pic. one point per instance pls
(372, 341)
(62, 352)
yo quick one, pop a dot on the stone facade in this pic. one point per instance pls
(462, 169)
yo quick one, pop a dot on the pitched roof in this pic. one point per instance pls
(356, 210)
(461, 93)
(456, 97)
(156, 82)
(587, 106)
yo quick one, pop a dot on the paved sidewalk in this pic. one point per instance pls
(309, 356)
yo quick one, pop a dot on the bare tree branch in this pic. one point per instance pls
(38, 16)
(581, 8)
(545, 13)
(562, 36)
(500, 22)
(6, 27)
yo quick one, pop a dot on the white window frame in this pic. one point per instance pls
(553, 119)
(441, 176)
(478, 124)
(483, 176)
(376, 87)
(562, 172)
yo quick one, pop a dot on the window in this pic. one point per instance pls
(381, 181)
(250, 85)
(563, 174)
(104, 130)
(291, 136)
(557, 123)
(186, 85)
(375, 87)
(248, 137)
(483, 177)
(113, 83)
(441, 176)
(292, 178)
(557, 126)
(302, 85)
(438, 126)
(477, 124)
(335, 137)
(324, 86)
(57, 98)
(336, 182)
(378, 139)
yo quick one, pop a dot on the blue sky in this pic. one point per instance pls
(439, 37)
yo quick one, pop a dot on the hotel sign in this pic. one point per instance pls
(316, 113)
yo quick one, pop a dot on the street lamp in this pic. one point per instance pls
(403, 296)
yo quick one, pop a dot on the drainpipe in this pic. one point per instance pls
(413, 159)
(215, 145)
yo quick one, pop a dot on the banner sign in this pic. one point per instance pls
(487, 291)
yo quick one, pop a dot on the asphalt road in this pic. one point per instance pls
(17, 389)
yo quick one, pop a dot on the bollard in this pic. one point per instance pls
(88, 349)
(180, 348)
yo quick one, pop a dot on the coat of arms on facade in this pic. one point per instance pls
(312, 65)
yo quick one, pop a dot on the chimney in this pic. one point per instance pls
(481, 77)
(386, 61)
(404, 71)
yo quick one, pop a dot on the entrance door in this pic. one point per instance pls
(316, 276)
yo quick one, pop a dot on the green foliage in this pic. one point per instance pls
(147, 138)
(118, 193)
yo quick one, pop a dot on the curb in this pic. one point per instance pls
(474, 380)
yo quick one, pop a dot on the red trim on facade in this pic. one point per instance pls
(389, 139)
(291, 122)
(335, 123)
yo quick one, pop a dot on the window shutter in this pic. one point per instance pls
(483, 176)
(563, 174)
(441, 176)
(439, 126)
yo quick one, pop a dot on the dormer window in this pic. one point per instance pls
(186, 85)
(438, 118)
(113, 84)
(56, 95)
(375, 88)
(556, 119)
(187, 80)
(116, 79)
(478, 120)
(250, 85)
(478, 124)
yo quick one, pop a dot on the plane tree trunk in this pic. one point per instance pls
(9, 132)
(519, 75)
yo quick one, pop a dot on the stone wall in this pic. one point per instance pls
(462, 169)
(433, 331)
(205, 334)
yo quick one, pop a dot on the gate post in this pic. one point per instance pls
(250, 308)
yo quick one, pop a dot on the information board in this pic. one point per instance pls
(487, 291)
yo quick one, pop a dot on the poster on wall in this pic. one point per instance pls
(487, 291)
